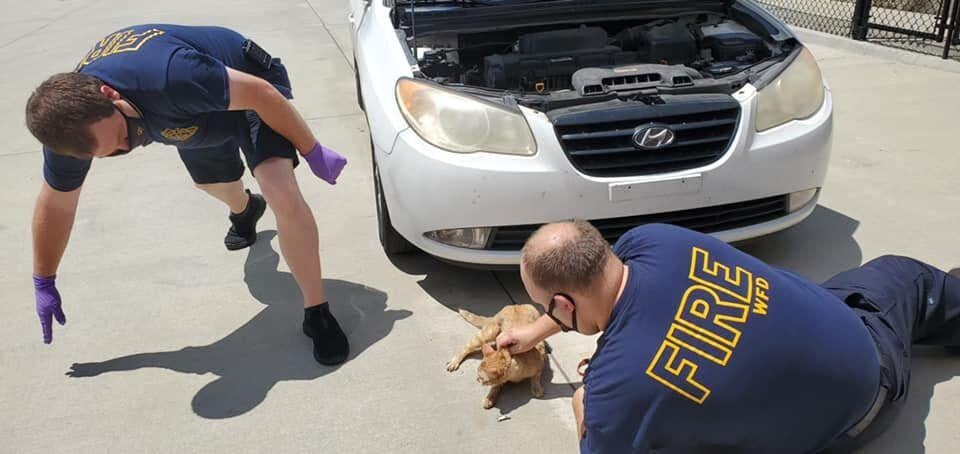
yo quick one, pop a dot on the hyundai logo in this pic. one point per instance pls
(653, 137)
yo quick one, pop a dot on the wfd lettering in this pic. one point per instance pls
(708, 323)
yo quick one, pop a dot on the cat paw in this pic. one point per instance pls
(453, 365)
(537, 392)
(487, 404)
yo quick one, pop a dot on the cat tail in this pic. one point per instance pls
(475, 319)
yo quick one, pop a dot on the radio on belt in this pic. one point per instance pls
(257, 54)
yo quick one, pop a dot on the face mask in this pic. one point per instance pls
(136, 134)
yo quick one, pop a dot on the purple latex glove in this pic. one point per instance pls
(48, 305)
(325, 163)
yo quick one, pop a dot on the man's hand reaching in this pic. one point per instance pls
(518, 340)
(48, 305)
(526, 337)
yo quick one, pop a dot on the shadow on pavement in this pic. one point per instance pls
(516, 395)
(902, 429)
(271, 347)
(457, 287)
(817, 248)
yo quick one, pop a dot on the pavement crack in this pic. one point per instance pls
(503, 287)
(330, 34)
(555, 364)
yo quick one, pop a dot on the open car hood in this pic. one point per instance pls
(474, 3)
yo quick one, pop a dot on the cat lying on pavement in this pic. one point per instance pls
(499, 366)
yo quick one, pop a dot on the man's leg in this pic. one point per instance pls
(939, 320)
(904, 302)
(231, 194)
(884, 294)
(300, 246)
(217, 171)
(920, 301)
(297, 228)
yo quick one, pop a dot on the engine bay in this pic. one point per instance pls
(595, 59)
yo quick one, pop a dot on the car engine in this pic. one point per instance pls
(595, 59)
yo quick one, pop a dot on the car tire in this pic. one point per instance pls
(356, 77)
(393, 243)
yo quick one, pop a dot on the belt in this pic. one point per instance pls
(879, 399)
(869, 417)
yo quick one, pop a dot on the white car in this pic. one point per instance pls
(489, 118)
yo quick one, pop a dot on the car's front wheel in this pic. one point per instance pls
(392, 242)
(356, 77)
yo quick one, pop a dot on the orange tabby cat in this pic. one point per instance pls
(499, 366)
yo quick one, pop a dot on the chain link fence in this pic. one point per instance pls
(925, 26)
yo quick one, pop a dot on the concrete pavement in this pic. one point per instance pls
(174, 344)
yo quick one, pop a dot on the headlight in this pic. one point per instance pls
(463, 124)
(796, 94)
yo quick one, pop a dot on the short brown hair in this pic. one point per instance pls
(61, 110)
(573, 262)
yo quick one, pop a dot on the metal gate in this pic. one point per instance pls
(925, 26)
(933, 20)
(954, 33)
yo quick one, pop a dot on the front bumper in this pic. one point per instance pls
(429, 189)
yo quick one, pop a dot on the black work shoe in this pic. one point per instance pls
(330, 345)
(243, 231)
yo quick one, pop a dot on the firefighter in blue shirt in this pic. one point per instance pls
(705, 349)
(212, 93)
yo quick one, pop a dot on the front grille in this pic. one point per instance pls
(600, 142)
(706, 220)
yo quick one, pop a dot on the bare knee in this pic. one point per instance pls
(279, 186)
(284, 203)
(578, 403)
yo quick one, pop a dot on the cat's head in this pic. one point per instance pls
(493, 368)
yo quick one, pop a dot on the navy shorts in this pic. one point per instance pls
(222, 163)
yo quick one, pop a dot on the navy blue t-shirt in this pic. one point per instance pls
(176, 76)
(711, 350)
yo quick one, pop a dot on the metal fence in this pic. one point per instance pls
(926, 26)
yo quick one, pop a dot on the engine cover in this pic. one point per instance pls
(730, 41)
(545, 61)
(596, 81)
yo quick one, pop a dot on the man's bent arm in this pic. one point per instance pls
(248, 92)
(53, 217)
(526, 337)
